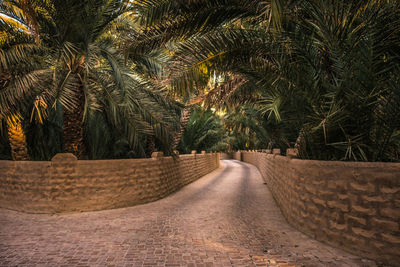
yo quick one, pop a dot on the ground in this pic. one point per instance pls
(227, 218)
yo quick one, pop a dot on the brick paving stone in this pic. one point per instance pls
(226, 218)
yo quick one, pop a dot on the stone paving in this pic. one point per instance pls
(227, 218)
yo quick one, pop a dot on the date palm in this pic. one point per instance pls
(173, 22)
(204, 131)
(330, 69)
(20, 71)
(87, 72)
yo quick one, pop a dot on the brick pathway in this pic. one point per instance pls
(227, 218)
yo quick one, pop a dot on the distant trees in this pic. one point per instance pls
(204, 131)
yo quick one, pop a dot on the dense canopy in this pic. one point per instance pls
(123, 78)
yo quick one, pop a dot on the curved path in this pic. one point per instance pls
(227, 218)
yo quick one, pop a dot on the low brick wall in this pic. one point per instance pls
(69, 185)
(231, 155)
(227, 155)
(237, 155)
(351, 205)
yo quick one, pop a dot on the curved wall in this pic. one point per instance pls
(66, 184)
(351, 205)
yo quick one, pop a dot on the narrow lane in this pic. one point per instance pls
(226, 218)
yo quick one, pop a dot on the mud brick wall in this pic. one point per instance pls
(227, 155)
(66, 184)
(351, 205)
(231, 155)
(237, 155)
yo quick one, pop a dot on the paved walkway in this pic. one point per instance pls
(227, 218)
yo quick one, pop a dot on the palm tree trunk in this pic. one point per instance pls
(301, 144)
(150, 145)
(73, 128)
(17, 139)
(184, 120)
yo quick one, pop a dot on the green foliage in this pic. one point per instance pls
(347, 75)
(204, 131)
(124, 100)
(324, 75)
(318, 75)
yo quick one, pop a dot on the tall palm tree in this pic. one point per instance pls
(71, 34)
(317, 61)
(86, 72)
(20, 70)
(193, 18)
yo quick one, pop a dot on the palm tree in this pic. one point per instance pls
(86, 72)
(197, 17)
(20, 71)
(321, 74)
(204, 131)
(314, 72)
(72, 35)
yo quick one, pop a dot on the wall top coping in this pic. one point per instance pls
(333, 162)
(157, 155)
(291, 152)
(68, 157)
(276, 151)
(61, 157)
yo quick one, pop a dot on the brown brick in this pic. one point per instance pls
(356, 241)
(363, 232)
(319, 201)
(338, 205)
(322, 222)
(391, 238)
(337, 226)
(342, 196)
(311, 189)
(384, 225)
(369, 187)
(326, 194)
(337, 184)
(304, 214)
(312, 208)
(331, 214)
(377, 245)
(396, 204)
(389, 189)
(379, 199)
(391, 213)
(360, 209)
(318, 182)
(332, 235)
(359, 220)
(312, 226)
(301, 205)
(354, 198)
(304, 197)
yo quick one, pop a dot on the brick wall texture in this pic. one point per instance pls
(69, 185)
(352, 205)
